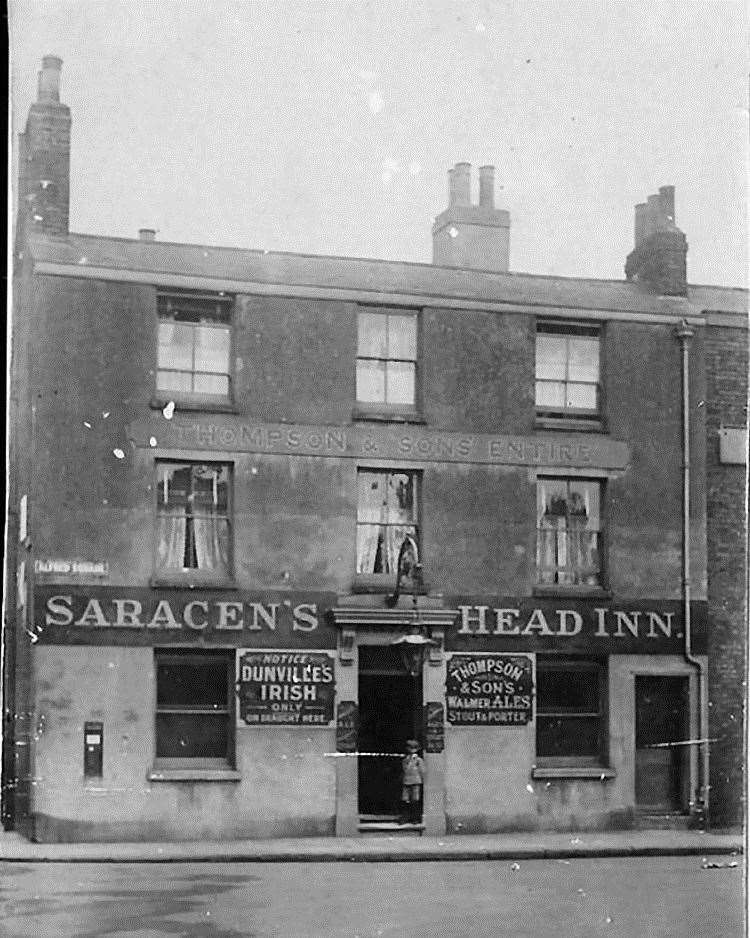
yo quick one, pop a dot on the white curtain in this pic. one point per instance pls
(210, 546)
(172, 528)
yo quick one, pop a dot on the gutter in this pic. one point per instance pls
(685, 333)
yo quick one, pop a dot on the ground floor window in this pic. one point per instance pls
(194, 694)
(571, 711)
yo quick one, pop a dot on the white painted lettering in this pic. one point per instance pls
(128, 612)
(504, 622)
(665, 624)
(601, 629)
(93, 615)
(629, 621)
(163, 617)
(305, 617)
(563, 615)
(466, 622)
(259, 612)
(187, 615)
(59, 611)
(228, 616)
(537, 623)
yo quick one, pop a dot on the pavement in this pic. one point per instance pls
(385, 848)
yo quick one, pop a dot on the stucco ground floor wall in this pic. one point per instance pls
(290, 780)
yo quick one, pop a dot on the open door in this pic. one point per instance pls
(390, 709)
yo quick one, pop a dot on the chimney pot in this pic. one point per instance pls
(147, 234)
(667, 202)
(487, 186)
(49, 79)
(461, 184)
(653, 215)
(640, 222)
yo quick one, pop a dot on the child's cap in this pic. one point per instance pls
(412, 744)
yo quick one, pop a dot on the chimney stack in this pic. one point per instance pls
(44, 160)
(460, 184)
(147, 234)
(469, 235)
(659, 257)
(49, 79)
(487, 186)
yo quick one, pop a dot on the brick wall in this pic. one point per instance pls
(726, 404)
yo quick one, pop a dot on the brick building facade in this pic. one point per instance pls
(271, 515)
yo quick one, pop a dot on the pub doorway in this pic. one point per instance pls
(390, 712)
(662, 769)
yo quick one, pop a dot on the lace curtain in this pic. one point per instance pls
(386, 513)
(193, 526)
(568, 532)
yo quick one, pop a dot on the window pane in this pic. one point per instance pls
(550, 394)
(370, 381)
(585, 501)
(175, 346)
(565, 691)
(567, 736)
(372, 497)
(192, 735)
(401, 499)
(173, 381)
(211, 384)
(192, 683)
(174, 485)
(369, 546)
(552, 498)
(582, 396)
(210, 544)
(211, 349)
(400, 384)
(402, 337)
(583, 353)
(551, 354)
(372, 335)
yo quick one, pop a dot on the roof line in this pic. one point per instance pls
(347, 257)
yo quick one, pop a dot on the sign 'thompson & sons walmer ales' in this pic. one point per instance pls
(489, 690)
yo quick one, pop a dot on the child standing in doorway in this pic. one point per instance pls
(412, 770)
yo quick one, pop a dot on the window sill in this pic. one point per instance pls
(218, 405)
(570, 423)
(573, 771)
(194, 775)
(585, 592)
(187, 581)
(387, 415)
(382, 583)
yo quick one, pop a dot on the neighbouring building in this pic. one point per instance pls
(271, 515)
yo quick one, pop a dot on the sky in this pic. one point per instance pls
(328, 126)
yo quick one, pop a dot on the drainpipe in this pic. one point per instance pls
(685, 333)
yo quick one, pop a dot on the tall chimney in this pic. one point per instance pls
(659, 258)
(49, 79)
(487, 186)
(461, 184)
(640, 222)
(667, 203)
(44, 160)
(468, 235)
